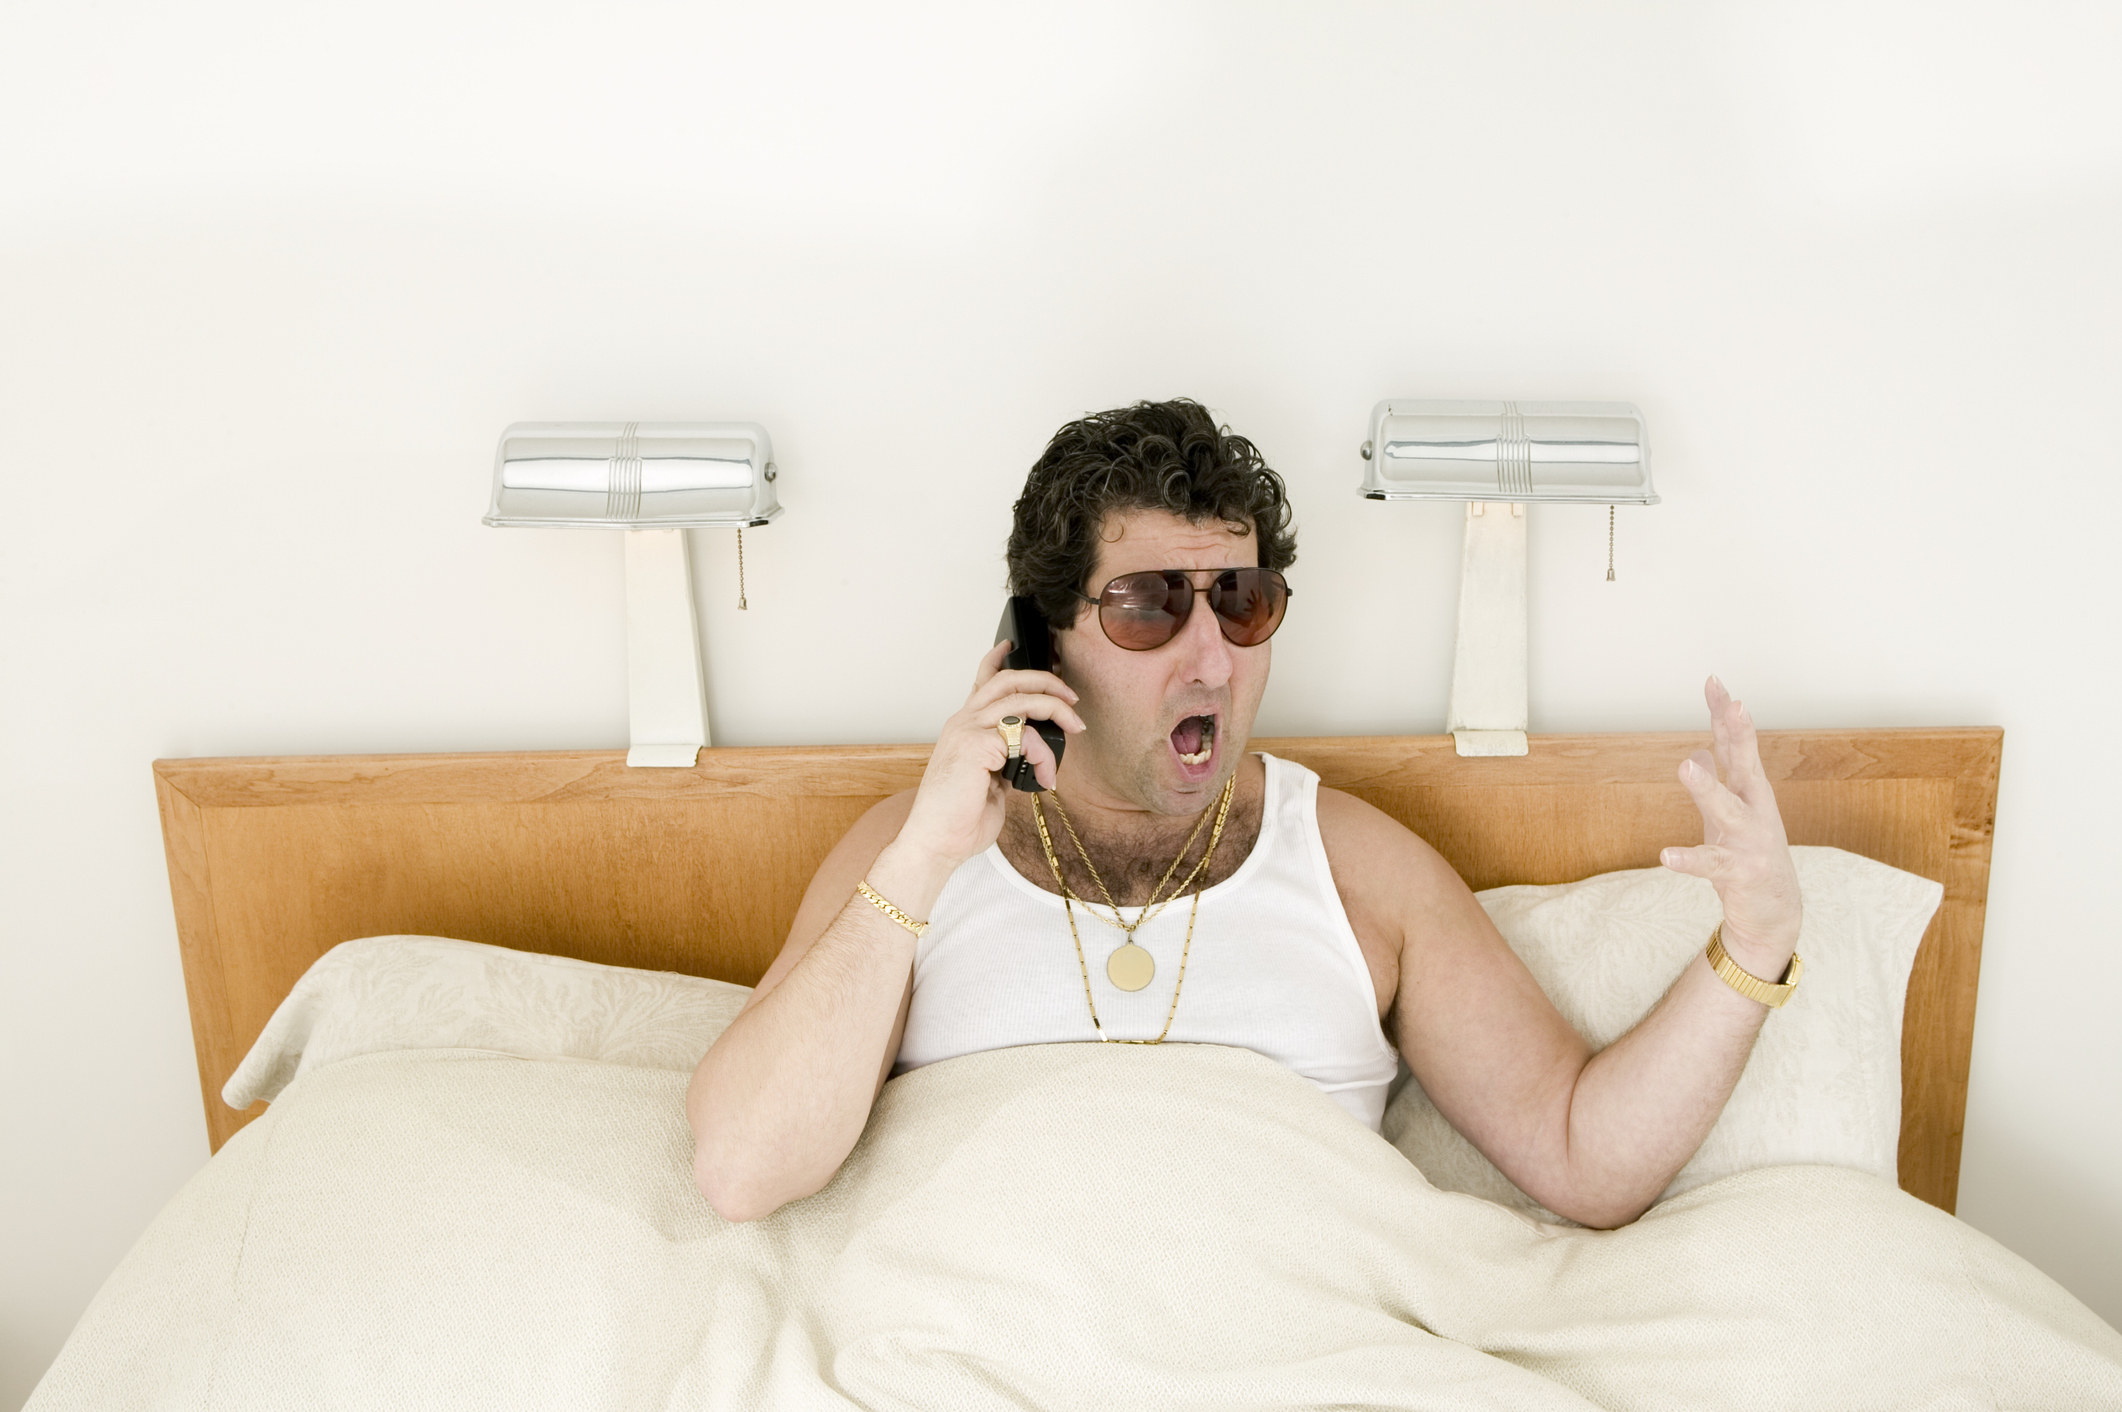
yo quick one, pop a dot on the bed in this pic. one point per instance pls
(1003, 1236)
(274, 861)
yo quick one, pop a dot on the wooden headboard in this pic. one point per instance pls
(274, 861)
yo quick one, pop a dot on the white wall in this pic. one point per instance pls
(272, 279)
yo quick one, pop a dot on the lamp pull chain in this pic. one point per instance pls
(1609, 544)
(741, 604)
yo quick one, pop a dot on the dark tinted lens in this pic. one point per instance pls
(1250, 603)
(1141, 611)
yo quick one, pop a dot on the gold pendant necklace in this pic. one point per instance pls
(1129, 967)
(1130, 962)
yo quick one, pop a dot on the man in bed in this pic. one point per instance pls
(1166, 885)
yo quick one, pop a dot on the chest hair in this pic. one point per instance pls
(1130, 866)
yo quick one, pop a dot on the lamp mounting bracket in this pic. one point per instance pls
(1488, 702)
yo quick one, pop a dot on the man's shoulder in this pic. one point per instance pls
(900, 805)
(1347, 819)
(1371, 847)
(885, 818)
(866, 837)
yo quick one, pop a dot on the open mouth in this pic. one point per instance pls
(1194, 741)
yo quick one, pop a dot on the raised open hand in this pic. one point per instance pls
(1743, 852)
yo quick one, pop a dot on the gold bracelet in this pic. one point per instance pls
(890, 911)
(1769, 993)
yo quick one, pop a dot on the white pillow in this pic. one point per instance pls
(428, 992)
(1824, 1080)
(1823, 1083)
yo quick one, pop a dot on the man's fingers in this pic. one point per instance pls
(1703, 861)
(1020, 682)
(1737, 745)
(1036, 705)
(1719, 701)
(993, 751)
(1045, 768)
(1721, 809)
(1747, 778)
(991, 663)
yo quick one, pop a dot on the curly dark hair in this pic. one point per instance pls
(1152, 456)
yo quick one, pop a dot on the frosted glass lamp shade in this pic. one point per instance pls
(1523, 452)
(634, 475)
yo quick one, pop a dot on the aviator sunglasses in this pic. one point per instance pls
(1146, 610)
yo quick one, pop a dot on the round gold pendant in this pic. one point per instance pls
(1130, 968)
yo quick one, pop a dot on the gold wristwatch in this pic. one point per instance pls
(1769, 993)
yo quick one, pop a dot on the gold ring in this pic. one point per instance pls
(1012, 728)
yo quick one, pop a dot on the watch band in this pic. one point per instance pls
(1769, 993)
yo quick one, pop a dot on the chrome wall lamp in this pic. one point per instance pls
(655, 480)
(1500, 457)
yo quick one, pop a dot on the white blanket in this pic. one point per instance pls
(1055, 1227)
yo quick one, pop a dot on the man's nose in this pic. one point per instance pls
(1205, 654)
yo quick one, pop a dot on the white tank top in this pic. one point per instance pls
(1274, 968)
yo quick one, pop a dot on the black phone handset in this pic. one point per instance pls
(1031, 649)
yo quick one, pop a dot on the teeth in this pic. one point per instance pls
(1208, 743)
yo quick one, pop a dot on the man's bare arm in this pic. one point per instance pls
(783, 1094)
(1594, 1138)
(780, 1099)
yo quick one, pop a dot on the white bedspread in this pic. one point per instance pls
(1056, 1227)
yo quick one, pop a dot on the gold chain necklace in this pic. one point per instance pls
(1068, 899)
(1151, 908)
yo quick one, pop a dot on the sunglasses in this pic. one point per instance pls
(1146, 610)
